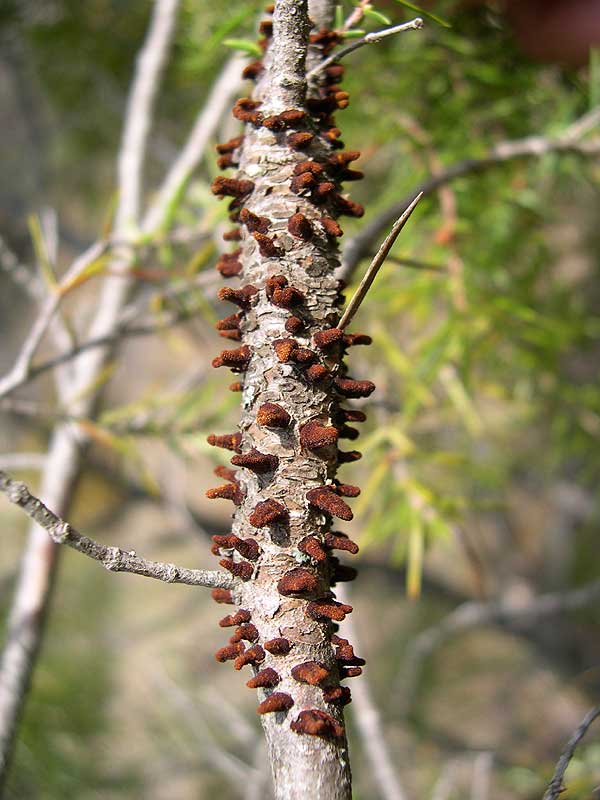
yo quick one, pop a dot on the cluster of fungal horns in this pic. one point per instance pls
(313, 353)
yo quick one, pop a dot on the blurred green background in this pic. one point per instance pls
(481, 453)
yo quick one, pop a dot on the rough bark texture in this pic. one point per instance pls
(286, 195)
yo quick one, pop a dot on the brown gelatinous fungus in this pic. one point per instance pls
(230, 146)
(303, 356)
(239, 297)
(272, 415)
(339, 695)
(228, 491)
(222, 596)
(265, 679)
(342, 573)
(275, 282)
(228, 441)
(352, 339)
(236, 386)
(294, 325)
(284, 120)
(328, 338)
(247, 548)
(341, 160)
(300, 227)
(232, 620)
(353, 389)
(325, 499)
(290, 297)
(314, 435)
(346, 432)
(300, 140)
(267, 246)
(231, 187)
(226, 161)
(297, 581)
(267, 512)
(229, 652)
(278, 701)
(331, 227)
(348, 456)
(253, 655)
(253, 70)
(328, 609)
(278, 646)
(225, 473)
(351, 672)
(339, 542)
(233, 235)
(247, 632)
(309, 166)
(245, 110)
(310, 672)
(314, 722)
(253, 222)
(312, 547)
(347, 490)
(258, 462)
(232, 322)
(284, 349)
(241, 569)
(303, 183)
(317, 373)
(353, 415)
(233, 335)
(347, 207)
(236, 360)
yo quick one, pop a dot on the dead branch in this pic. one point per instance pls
(112, 558)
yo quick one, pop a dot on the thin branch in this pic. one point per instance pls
(555, 787)
(38, 566)
(471, 615)
(112, 558)
(569, 141)
(219, 99)
(376, 263)
(369, 38)
(19, 373)
(139, 112)
(33, 461)
(22, 275)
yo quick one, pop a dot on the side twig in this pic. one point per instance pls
(369, 38)
(555, 787)
(569, 141)
(112, 558)
(376, 264)
(471, 615)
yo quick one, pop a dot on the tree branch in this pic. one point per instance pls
(369, 38)
(38, 567)
(570, 141)
(471, 615)
(556, 788)
(376, 264)
(112, 558)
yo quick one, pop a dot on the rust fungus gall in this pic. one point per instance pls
(297, 581)
(278, 701)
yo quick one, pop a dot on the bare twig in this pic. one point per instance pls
(369, 38)
(225, 87)
(569, 141)
(34, 585)
(369, 725)
(149, 67)
(470, 615)
(555, 787)
(376, 263)
(23, 461)
(22, 366)
(112, 558)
